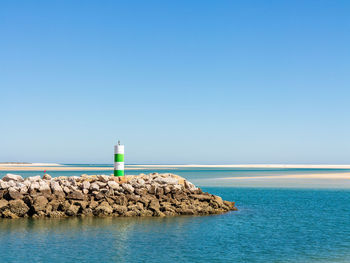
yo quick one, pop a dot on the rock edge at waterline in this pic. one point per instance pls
(102, 195)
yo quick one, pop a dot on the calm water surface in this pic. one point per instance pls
(272, 225)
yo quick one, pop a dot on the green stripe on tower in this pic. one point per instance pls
(118, 172)
(119, 157)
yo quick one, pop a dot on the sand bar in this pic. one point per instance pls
(280, 166)
(28, 164)
(330, 176)
(61, 167)
(70, 168)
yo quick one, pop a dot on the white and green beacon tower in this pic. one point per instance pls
(119, 160)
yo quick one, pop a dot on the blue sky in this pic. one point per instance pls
(177, 81)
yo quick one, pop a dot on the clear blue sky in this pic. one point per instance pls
(176, 81)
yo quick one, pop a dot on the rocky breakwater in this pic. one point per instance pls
(103, 195)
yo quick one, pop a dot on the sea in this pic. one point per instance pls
(279, 220)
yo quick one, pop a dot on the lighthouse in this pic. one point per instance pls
(119, 160)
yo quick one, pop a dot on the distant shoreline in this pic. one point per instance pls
(339, 176)
(302, 166)
(20, 164)
(68, 168)
(62, 167)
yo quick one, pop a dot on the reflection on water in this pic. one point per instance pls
(107, 239)
(272, 225)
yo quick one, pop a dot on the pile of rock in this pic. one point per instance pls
(102, 195)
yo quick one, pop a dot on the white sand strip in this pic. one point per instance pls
(69, 168)
(28, 164)
(292, 176)
(280, 166)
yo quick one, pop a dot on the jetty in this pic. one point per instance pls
(106, 195)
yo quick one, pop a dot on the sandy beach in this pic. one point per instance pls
(28, 164)
(67, 168)
(330, 176)
(281, 166)
(61, 167)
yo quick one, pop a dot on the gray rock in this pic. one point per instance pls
(103, 178)
(18, 207)
(3, 203)
(94, 187)
(177, 187)
(128, 188)
(190, 186)
(34, 178)
(73, 180)
(39, 203)
(73, 187)
(152, 189)
(101, 184)
(73, 210)
(12, 177)
(66, 189)
(141, 182)
(34, 186)
(114, 185)
(77, 195)
(86, 185)
(104, 209)
(4, 185)
(166, 180)
(12, 183)
(14, 193)
(44, 188)
(166, 189)
(56, 188)
(154, 205)
(23, 189)
(120, 209)
(27, 183)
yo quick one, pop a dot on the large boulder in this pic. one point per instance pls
(128, 187)
(56, 189)
(3, 203)
(103, 178)
(76, 194)
(114, 185)
(23, 188)
(12, 177)
(166, 180)
(154, 205)
(86, 185)
(120, 209)
(34, 186)
(73, 210)
(94, 187)
(14, 193)
(44, 188)
(40, 203)
(103, 209)
(18, 207)
(36, 178)
(4, 185)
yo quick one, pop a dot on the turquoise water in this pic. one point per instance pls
(272, 225)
